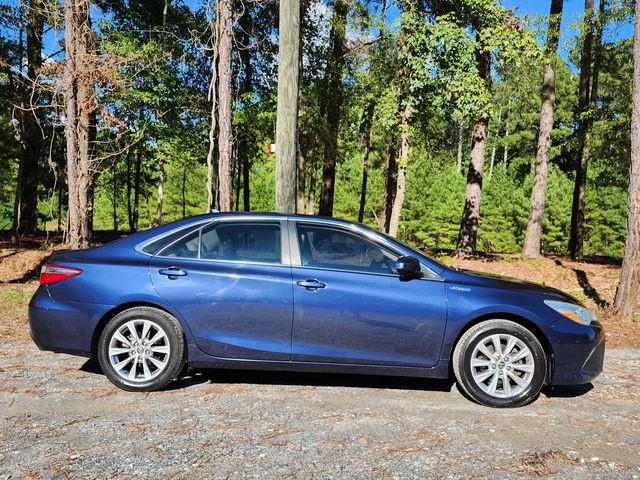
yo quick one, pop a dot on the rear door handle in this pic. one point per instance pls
(172, 272)
(311, 284)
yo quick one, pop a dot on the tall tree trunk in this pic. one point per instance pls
(26, 201)
(365, 173)
(93, 174)
(114, 200)
(136, 189)
(301, 178)
(160, 199)
(390, 182)
(597, 60)
(505, 150)
(468, 236)
(301, 162)
(60, 200)
(460, 148)
(238, 178)
(184, 190)
(213, 98)
(246, 30)
(576, 239)
(333, 97)
(129, 212)
(548, 97)
(80, 106)
(287, 110)
(225, 97)
(493, 159)
(313, 180)
(629, 284)
(401, 184)
(246, 186)
(495, 146)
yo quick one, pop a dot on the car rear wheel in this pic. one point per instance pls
(499, 363)
(142, 349)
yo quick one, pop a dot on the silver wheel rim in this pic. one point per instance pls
(502, 365)
(139, 351)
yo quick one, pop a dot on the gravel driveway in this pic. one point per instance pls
(59, 417)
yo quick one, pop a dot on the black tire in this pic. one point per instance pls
(463, 355)
(175, 359)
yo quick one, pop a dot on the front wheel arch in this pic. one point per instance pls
(523, 322)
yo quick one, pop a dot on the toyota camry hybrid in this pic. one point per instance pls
(305, 293)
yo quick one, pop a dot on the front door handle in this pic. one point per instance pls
(311, 284)
(173, 272)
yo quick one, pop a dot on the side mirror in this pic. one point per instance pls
(408, 267)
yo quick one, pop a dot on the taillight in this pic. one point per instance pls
(51, 273)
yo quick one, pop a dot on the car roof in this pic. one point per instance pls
(278, 215)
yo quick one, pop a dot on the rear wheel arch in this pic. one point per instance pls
(102, 323)
(520, 320)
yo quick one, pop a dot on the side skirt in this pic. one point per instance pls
(439, 371)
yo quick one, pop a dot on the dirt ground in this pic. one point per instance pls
(61, 418)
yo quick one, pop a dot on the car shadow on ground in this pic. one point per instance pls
(569, 391)
(191, 377)
(256, 377)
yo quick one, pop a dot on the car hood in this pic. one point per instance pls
(489, 280)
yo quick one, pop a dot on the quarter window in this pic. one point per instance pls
(186, 247)
(324, 247)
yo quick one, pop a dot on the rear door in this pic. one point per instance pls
(352, 307)
(231, 282)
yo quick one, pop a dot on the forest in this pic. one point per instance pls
(463, 125)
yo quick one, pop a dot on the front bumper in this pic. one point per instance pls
(578, 351)
(65, 327)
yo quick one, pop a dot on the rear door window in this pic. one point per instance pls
(255, 242)
(233, 241)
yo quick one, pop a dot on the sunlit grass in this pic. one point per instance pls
(14, 301)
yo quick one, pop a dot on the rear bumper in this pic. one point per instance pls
(578, 351)
(65, 327)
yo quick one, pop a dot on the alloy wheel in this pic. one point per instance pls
(502, 365)
(139, 350)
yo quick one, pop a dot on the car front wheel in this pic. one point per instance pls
(142, 349)
(499, 363)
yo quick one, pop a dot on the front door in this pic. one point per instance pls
(229, 283)
(351, 307)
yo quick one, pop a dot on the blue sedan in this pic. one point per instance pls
(304, 293)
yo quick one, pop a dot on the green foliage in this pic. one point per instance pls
(153, 98)
(505, 210)
(433, 207)
(606, 218)
(557, 213)
(441, 54)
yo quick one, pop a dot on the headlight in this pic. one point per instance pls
(574, 312)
